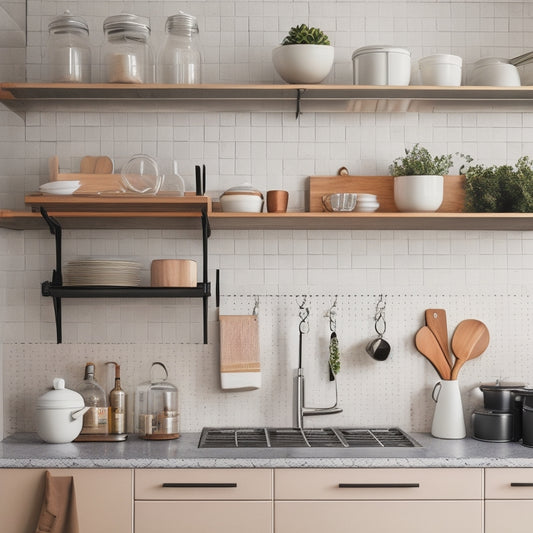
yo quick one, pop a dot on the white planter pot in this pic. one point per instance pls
(303, 63)
(419, 194)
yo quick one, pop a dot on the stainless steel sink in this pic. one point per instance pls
(308, 438)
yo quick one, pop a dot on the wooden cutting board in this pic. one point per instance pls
(383, 187)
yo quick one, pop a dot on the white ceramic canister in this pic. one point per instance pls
(448, 419)
(242, 199)
(60, 414)
(381, 65)
(444, 70)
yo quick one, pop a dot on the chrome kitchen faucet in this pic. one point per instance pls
(300, 409)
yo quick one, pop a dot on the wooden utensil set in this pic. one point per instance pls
(470, 339)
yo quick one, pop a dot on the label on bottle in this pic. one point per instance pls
(95, 421)
(117, 421)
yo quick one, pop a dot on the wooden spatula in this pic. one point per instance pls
(436, 322)
(103, 165)
(470, 339)
(428, 346)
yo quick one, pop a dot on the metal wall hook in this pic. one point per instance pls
(380, 325)
(304, 315)
(331, 313)
(255, 310)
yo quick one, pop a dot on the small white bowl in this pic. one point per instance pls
(59, 187)
(242, 199)
(366, 207)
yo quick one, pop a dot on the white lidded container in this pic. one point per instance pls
(381, 65)
(242, 199)
(441, 69)
(60, 414)
(495, 72)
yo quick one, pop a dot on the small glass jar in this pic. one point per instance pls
(69, 51)
(127, 54)
(180, 59)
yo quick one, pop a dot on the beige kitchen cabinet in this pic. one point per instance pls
(104, 499)
(508, 499)
(203, 501)
(379, 500)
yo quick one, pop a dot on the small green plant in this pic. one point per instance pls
(500, 189)
(304, 35)
(334, 356)
(417, 161)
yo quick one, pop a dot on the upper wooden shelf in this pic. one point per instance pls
(24, 220)
(22, 97)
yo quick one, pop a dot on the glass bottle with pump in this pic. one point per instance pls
(180, 60)
(95, 419)
(117, 405)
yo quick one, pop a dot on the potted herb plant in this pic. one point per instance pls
(419, 179)
(305, 55)
(500, 189)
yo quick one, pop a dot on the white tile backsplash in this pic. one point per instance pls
(486, 275)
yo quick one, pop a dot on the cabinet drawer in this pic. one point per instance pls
(379, 517)
(507, 515)
(509, 483)
(203, 517)
(203, 484)
(379, 484)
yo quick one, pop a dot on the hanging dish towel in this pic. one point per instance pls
(58, 511)
(240, 368)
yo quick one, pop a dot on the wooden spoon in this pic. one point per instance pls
(470, 339)
(103, 165)
(436, 322)
(87, 164)
(428, 346)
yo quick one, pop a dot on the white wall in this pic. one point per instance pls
(416, 269)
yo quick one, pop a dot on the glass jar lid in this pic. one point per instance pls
(67, 22)
(127, 22)
(181, 24)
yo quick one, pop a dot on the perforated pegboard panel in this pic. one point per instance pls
(392, 392)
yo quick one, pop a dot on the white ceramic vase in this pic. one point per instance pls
(303, 63)
(418, 194)
(448, 419)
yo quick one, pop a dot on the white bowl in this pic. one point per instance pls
(59, 187)
(303, 63)
(366, 207)
(242, 199)
(418, 194)
(444, 70)
(495, 72)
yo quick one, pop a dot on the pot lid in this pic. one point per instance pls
(483, 62)
(244, 188)
(60, 398)
(380, 48)
(67, 21)
(491, 387)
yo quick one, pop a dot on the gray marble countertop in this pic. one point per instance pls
(27, 450)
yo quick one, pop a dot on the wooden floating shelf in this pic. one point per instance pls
(24, 220)
(22, 97)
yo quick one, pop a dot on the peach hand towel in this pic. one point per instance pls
(240, 368)
(58, 512)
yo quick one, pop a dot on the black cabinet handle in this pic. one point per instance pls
(379, 485)
(199, 485)
(521, 484)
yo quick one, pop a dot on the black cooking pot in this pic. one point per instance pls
(501, 397)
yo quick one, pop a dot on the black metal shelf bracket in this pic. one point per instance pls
(298, 102)
(56, 290)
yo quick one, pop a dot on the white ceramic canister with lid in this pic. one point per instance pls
(68, 51)
(60, 414)
(443, 70)
(127, 53)
(180, 58)
(381, 65)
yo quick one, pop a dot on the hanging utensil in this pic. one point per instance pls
(378, 348)
(436, 322)
(470, 339)
(427, 344)
(334, 362)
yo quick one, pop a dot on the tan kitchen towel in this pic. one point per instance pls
(240, 366)
(58, 512)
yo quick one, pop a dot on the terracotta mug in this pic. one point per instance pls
(277, 201)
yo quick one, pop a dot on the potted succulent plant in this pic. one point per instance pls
(305, 55)
(419, 179)
(500, 189)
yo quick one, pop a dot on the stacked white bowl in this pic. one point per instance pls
(366, 203)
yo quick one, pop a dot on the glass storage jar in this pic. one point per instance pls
(69, 51)
(179, 59)
(127, 54)
(156, 407)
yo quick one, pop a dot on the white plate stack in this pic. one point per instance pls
(102, 272)
(61, 187)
